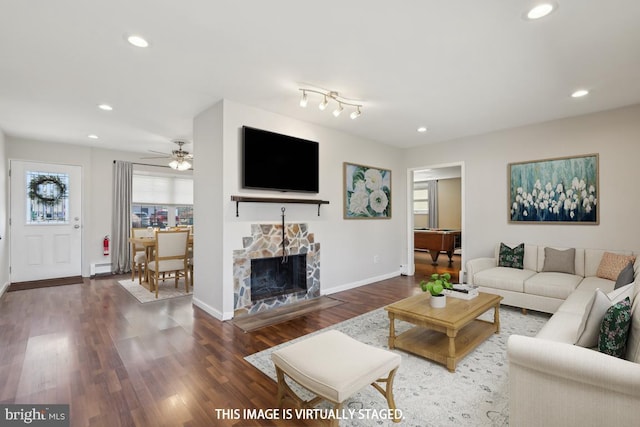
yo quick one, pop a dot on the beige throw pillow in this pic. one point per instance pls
(560, 261)
(612, 264)
(594, 313)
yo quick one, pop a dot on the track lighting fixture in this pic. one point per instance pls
(329, 95)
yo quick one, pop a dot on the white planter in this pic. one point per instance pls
(438, 301)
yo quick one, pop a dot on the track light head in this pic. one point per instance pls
(356, 113)
(303, 101)
(324, 103)
(338, 110)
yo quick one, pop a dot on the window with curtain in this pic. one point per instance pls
(161, 200)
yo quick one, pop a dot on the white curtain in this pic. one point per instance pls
(121, 217)
(432, 186)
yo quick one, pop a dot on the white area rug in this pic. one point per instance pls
(426, 392)
(166, 290)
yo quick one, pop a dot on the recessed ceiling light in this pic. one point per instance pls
(92, 136)
(137, 41)
(580, 93)
(422, 129)
(541, 10)
(105, 107)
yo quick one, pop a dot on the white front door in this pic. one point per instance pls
(45, 227)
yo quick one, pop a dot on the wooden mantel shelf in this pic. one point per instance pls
(252, 199)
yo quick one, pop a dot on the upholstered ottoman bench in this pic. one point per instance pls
(333, 366)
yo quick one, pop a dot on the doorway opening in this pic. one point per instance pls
(436, 220)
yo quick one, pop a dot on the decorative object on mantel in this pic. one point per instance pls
(560, 191)
(250, 199)
(332, 95)
(435, 286)
(367, 192)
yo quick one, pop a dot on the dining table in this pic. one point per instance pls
(149, 243)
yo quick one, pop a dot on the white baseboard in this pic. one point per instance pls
(210, 310)
(4, 288)
(359, 283)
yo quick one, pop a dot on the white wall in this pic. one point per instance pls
(614, 134)
(4, 221)
(348, 247)
(97, 181)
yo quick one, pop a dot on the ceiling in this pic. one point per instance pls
(459, 68)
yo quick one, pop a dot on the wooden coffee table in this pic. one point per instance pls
(444, 335)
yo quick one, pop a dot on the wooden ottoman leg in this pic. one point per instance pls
(281, 387)
(387, 392)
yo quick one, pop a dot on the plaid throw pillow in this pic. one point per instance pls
(511, 257)
(614, 329)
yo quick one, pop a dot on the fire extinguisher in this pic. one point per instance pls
(105, 246)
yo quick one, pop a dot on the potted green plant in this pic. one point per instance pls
(434, 286)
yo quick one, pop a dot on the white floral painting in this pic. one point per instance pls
(367, 192)
(563, 190)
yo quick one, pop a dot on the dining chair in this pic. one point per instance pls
(138, 254)
(171, 251)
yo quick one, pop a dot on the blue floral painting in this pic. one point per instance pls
(367, 192)
(563, 190)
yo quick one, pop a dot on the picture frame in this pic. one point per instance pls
(563, 190)
(367, 192)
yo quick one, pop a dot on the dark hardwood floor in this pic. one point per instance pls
(424, 267)
(166, 363)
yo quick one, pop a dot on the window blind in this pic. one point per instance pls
(162, 190)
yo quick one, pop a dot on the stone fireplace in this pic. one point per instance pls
(263, 279)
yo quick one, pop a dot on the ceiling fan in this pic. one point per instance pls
(179, 158)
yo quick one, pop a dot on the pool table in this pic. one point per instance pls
(436, 240)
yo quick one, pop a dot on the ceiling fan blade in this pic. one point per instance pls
(156, 157)
(158, 152)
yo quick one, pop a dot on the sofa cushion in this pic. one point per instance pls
(552, 285)
(614, 329)
(577, 302)
(511, 257)
(578, 261)
(625, 277)
(612, 264)
(509, 279)
(587, 332)
(561, 327)
(560, 261)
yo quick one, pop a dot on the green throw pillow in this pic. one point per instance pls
(614, 329)
(511, 257)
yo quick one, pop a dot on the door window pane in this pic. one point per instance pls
(47, 198)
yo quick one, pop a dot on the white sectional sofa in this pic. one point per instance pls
(553, 381)
(532, 288)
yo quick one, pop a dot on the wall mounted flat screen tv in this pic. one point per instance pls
(271, 161)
